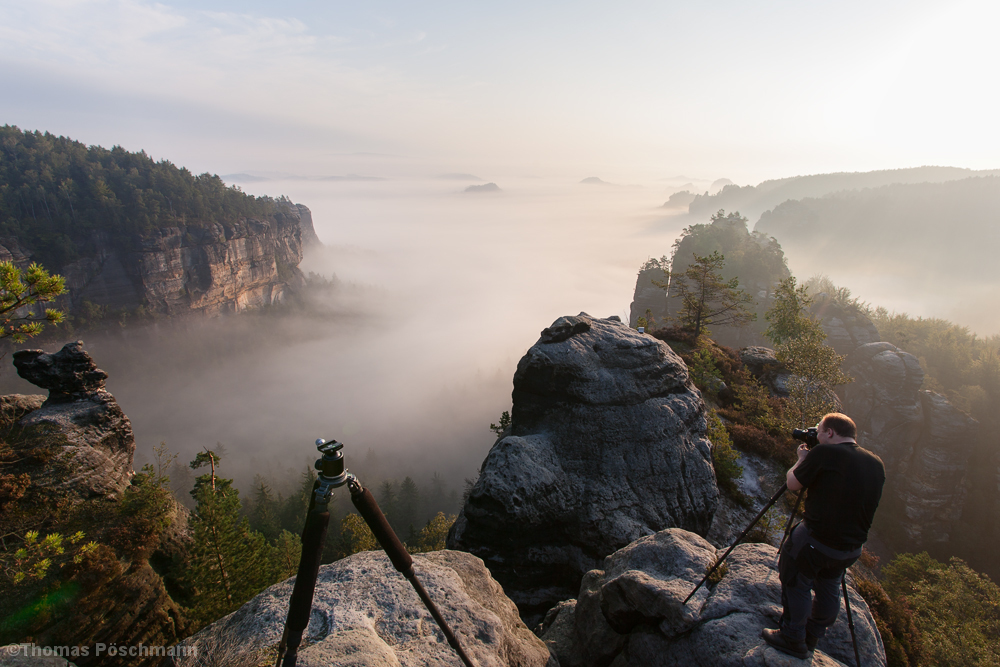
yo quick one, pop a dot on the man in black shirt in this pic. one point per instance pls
(844, 485)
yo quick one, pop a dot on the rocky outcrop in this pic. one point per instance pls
(630, 613)
(206, 270)
(649, 297)
(846, 328)
(924, 441)
(607, 444)
(67, 467)
(80, 432)
(365, 614)
(309, 238)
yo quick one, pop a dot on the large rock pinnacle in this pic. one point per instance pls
(607, 444)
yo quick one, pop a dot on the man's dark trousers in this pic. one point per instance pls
(802, 569)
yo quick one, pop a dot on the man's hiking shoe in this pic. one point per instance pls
(811, 642)
(779, 641)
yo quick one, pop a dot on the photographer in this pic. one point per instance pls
(844, 483)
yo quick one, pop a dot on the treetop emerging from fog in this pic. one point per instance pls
(55, 193)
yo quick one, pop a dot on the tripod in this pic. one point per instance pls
(788, 530)
(333, 474)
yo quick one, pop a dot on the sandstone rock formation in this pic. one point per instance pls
(846, 328)
(649, 297)
(309, 238)
(365, 614)
(923, 440)
(630, 612)
(81, 432)
(607, 444)
(66, 465)
(177, 270)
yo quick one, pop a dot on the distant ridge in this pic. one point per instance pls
(458, 177)
(594, 180)
(752, 200)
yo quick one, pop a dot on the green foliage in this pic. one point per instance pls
(957, 363)
(21, 289)
(39, 557)
(786, 318)
(286, 555)
(704, 373)
(705, 298)
(718, 575)
(432, 536)
(55, 193)
(503, 425)
(755, 258)
(956, 609)
(230, 563)
(356, 535)
(756, 405)
(263, 510)
(800, 347)
(894, 622)
(725, 459)
(656, 264)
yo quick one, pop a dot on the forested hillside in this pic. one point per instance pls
(56, 193)
(752, 200)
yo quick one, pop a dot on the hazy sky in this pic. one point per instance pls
(632, 90)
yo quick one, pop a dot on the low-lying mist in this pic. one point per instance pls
(406, 355)
(409, 353)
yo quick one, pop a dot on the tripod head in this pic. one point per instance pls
(332, 470)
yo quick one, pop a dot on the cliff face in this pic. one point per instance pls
(924, 441)
(649, 297)
(177, 270)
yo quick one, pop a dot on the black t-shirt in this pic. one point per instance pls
(844, 483)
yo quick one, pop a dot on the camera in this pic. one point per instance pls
(810, 436)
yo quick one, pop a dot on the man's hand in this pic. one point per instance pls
(802, 451)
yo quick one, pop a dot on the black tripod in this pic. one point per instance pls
(788, 530)
(333, 474)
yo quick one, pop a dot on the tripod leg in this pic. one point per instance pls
(850, 619)
(774, 499)
(300, 604)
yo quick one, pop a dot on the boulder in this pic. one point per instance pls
(923, 440)
(607, 444)
(365, 614)
(631, 612)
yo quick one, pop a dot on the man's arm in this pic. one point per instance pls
(790, 479)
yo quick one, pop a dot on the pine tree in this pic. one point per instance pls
(387, 501)
(706, 299)
(263, 512)
(230, 563)
(409, 510)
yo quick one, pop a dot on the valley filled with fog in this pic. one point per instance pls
(432, 295)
